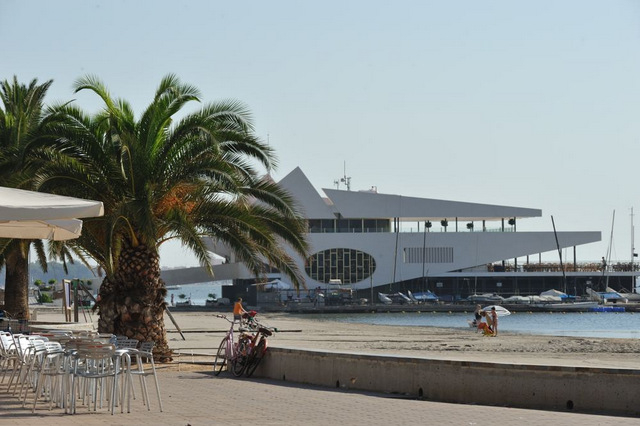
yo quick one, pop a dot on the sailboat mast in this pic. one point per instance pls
(564, 276)
(424, 252)
(633, 249)
(606, 282)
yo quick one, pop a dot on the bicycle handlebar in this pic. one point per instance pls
(256, 325)
(225, 317)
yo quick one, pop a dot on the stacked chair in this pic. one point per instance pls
(67, 369)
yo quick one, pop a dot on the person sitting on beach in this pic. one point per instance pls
(238, 311)
(483, 326)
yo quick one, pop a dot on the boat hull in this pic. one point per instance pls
(567, 307)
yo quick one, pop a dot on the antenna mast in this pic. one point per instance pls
(344, 179)
(633, 249)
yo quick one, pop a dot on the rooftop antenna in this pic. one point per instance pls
(346, 179)
(633, 248)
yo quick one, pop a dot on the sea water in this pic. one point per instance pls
(197, 293)
(624, 325)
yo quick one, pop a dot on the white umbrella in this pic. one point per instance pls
(58, 230)
(500, 311)
(18, 204)
(38, 215)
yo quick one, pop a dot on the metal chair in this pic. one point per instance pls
(144, 356)
(51, 383)
(94, 363)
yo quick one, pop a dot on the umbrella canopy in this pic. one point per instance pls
(500, 311)
(58, 230)
(38, 215)
(18, 204)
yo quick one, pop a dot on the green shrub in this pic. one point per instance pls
(45, 298)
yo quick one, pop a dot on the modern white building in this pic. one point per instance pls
(388, 242)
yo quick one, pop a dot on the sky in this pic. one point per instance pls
(529, 103)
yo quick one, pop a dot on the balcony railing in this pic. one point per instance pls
(595, 267)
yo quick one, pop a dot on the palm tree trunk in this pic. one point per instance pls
(131, 303)
(16, 294)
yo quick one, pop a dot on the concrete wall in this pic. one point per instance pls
(594, 390)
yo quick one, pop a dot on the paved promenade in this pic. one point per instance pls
(197, 397)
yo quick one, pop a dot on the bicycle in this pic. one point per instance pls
(229, 352)
(257, 349)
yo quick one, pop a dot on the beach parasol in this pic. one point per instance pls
(500, 311)
(38, 215)
(57, 230)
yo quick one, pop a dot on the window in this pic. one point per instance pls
(348, 265)
(430, 255)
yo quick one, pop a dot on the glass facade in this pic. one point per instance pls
(347, 265)
(349, 225)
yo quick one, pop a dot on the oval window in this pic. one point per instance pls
(347, 265)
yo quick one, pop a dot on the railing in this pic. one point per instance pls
(568, 267)
(410, 229)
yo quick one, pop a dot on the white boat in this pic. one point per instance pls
(631, 297)
(384, 299)
(518, 300)
(606, 296)
(397, 297)
(485, 298)
(553, 295)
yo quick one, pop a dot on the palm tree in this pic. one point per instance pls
(23, 120)
(162, 178)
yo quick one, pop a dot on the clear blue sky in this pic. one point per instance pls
(526, 103)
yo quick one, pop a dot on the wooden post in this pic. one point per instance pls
(173, 320)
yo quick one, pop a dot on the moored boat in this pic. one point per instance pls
(398, 298)
(384, 299)
(606, 297)
(425, 296)
(485, 298)
(567, 306)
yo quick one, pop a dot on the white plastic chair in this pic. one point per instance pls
(22, 347)
(144, 356)
(52, 377)
(8, 353)
(33, 366)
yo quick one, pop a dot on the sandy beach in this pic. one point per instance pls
(203, 331)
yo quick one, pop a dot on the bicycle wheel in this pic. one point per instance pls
(256, 357)
(221, 357)
(239, 361)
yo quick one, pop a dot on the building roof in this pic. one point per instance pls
(368, 204)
